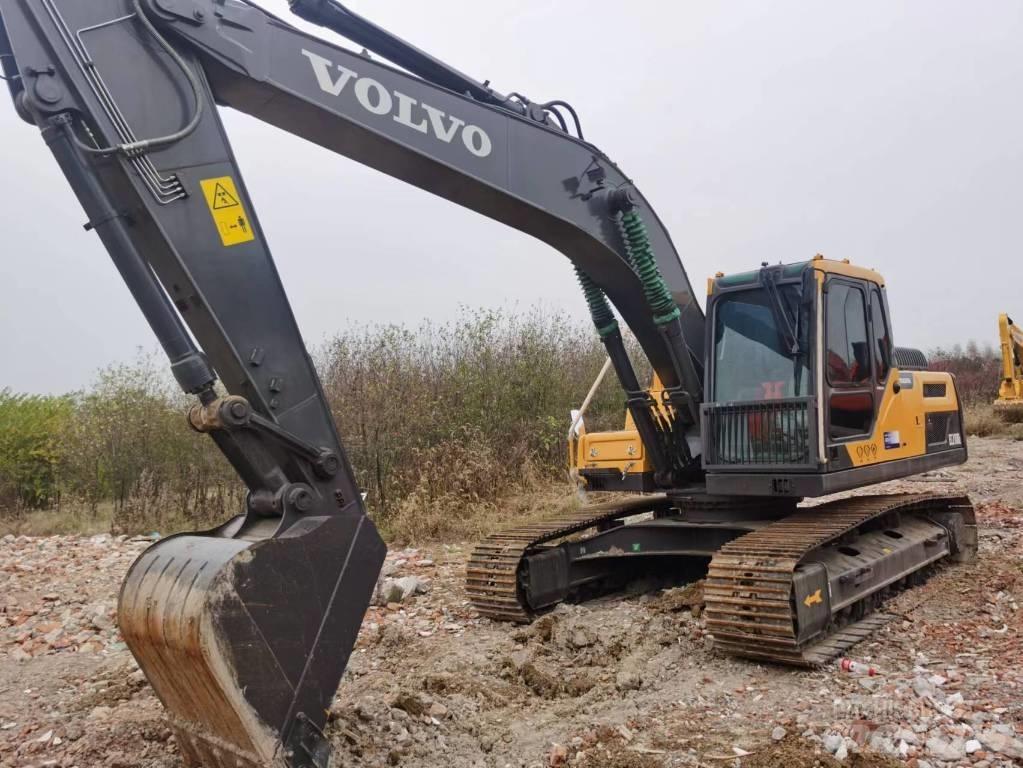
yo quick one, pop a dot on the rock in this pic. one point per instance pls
(778, 733)
(50, 638)
(628, 680)
(943, 750)
(19, 654)
(582, 638)
(883, 744)
(408, 703)
(842, 752)
(972, 746)
(399, 590)
(100, 713)
(558, 755)
(101, 622)
(871, 683)
(997, 741)
(922, 687)
(832, 742)
(438, 710)
(906, 735)
(860, 731)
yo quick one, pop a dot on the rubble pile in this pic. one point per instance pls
(60, 593)
(629, 681)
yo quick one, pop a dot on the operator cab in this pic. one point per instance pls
(806, 394)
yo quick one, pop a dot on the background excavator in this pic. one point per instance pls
(1009, 403)
(790, 387)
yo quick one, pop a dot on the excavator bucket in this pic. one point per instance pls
(245, 641)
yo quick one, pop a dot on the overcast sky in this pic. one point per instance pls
(890, 133)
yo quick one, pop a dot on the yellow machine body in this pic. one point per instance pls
(900, 419)
(613, 453)
(1010, 389)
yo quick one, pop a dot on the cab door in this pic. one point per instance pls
(849, 377)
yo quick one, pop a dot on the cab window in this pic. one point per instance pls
(848, 361)
(750, 360)
(849, 373)
(882, 340)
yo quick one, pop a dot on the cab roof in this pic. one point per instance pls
(818, 262)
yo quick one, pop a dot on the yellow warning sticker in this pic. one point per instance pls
(227, 211)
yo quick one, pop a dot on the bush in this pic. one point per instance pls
(439, 421)
(31, 428)
(443, 423)
(978, 370)
(470, 409)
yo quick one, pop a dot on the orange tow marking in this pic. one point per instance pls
(813, 599)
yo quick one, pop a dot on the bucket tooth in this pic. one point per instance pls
(245, 641)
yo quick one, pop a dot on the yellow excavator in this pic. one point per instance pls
(805, 395)
(1009, 404)
(788, 387)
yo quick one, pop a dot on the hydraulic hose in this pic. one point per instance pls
(638, 401)
(641, 254)
(600, 309)
(135, 148)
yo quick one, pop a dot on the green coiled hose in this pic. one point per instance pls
(600, 309)
(641, 254)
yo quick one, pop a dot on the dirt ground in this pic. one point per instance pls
(625, 682)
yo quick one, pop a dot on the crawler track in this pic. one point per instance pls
(749, 590)
(749, 587)
(492, 575)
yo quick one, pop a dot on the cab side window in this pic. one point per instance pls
(848, 355)
(882, 339)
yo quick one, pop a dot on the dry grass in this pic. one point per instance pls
(80, 519)
(449, 518)
(981, 420)
(419, 519)
(50, 522)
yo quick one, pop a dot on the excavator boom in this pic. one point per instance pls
(245, 630)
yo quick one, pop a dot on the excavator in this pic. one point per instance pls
(788, 388)
(1009, 403)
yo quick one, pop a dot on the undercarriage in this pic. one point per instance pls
(791, 584)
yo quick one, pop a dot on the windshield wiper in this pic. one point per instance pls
(788, 327)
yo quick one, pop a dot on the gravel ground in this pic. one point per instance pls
(626, 682)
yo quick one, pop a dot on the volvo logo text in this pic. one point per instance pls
(377, 100)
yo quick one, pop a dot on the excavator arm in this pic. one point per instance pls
(245, 630)
(1010, 388)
